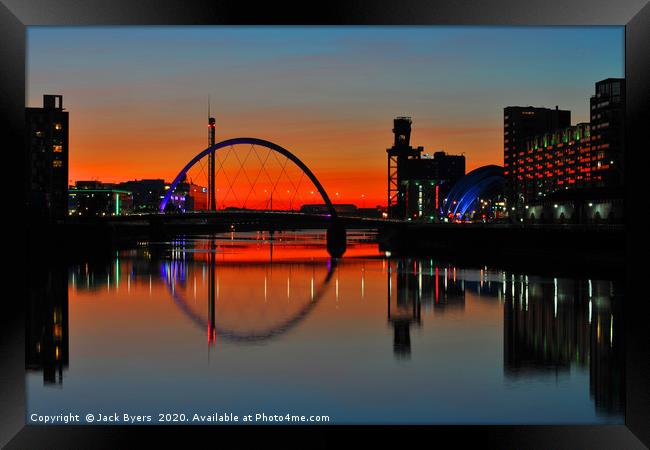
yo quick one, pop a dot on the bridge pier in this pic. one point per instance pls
(336, 239)
(156, 229)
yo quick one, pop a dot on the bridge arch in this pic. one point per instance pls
(252, 141)
(248, 337)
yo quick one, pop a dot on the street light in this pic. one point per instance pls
(270, 202)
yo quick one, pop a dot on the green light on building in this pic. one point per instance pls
(117, 204)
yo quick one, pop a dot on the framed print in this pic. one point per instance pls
(371, 222)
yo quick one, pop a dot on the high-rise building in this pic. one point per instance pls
(521, 123)
(607, 108)
(569, 173)
(47, 160)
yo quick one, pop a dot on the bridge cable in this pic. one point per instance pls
(285, 173)
(225, 174)
(278, 179)
(241, 168)
(258, 173)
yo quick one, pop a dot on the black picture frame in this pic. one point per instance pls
(16, 15)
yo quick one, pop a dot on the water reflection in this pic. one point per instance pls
(255, 289)
(47, 323)
(172, 275)
(551, 326)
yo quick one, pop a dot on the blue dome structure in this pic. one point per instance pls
(482, 183)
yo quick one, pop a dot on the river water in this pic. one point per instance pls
(247, 323)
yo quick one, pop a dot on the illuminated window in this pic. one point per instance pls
(57, 163)
(57, 148)
(57, 126)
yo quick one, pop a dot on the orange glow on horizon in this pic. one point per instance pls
(350, 160)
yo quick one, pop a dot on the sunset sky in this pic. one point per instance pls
(137, 96)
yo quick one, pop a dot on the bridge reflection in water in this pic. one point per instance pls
(249, 289)
(175, 274)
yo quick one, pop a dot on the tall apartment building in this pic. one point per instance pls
(607, 108)
(47, 160)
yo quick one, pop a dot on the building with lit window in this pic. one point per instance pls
(146, 193)
(94, 199)
(607, 107)
(190, 196)
(568, 174)
(418, 182)
(47, 160)
(198, 197)
(555, 161)
(520, 124)
(187, 197)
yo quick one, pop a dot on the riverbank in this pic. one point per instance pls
(548, 247)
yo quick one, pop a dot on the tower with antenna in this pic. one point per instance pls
(212, 200)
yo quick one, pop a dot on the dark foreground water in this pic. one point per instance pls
(238, 326)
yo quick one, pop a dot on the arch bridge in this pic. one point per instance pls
(229, 143)
(336, 235)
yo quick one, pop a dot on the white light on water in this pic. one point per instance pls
(555, 297)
